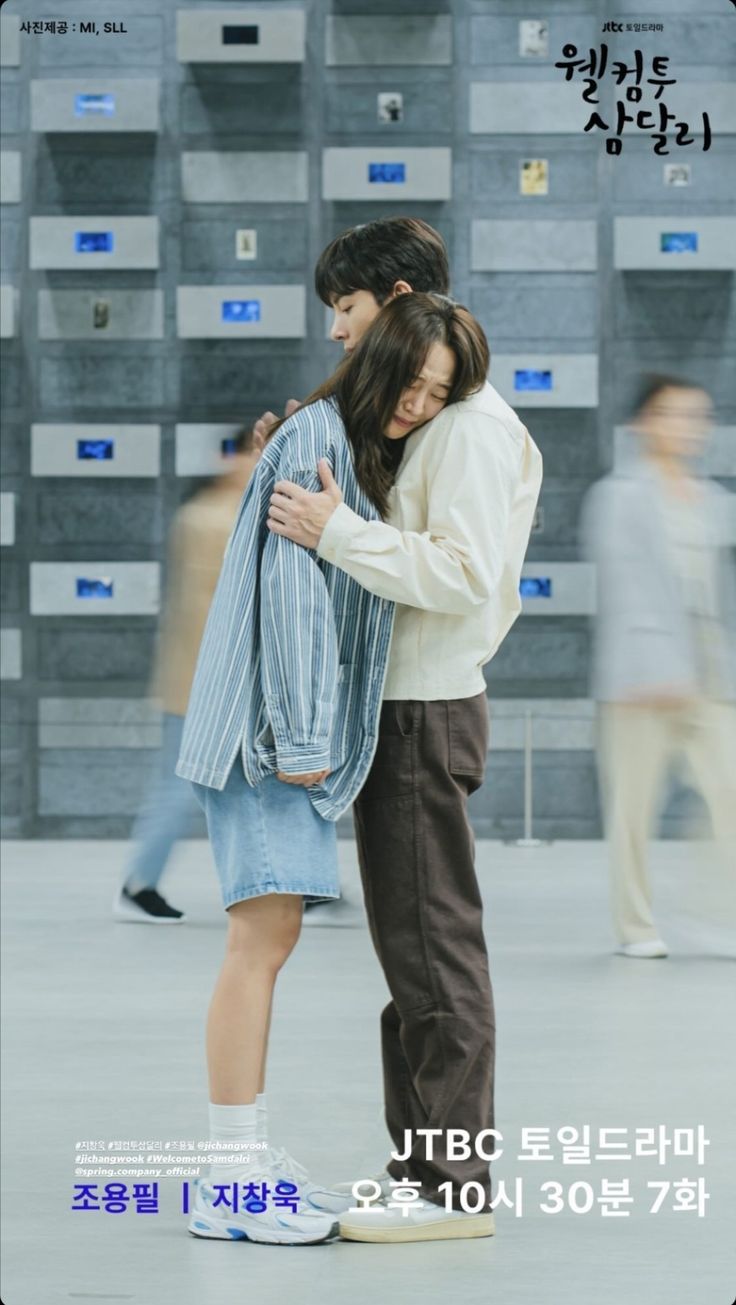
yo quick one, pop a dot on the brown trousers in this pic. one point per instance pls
(416, 847)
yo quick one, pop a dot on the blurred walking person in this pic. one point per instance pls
(665, 647)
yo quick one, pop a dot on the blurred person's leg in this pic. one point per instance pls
(635, 744)
(709, 744)
(416, 852)
(164, 816)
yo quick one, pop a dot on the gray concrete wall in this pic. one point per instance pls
(206, 148)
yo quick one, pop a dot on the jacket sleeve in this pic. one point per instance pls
(613, 537)
(473, 474)
(300, 660)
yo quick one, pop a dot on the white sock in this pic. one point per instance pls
(231, 1124)
(261, 1118)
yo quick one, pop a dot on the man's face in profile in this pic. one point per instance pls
(352, 315)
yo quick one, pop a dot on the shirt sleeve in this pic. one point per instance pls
(300, 659)
(472, 476)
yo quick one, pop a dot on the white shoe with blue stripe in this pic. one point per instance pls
(267, 1206)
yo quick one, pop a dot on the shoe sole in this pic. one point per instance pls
(481, 1225)
(122, 915)
(146, 919)
(222, 1230)
(642, 956)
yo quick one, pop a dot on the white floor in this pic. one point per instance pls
(104, 1041)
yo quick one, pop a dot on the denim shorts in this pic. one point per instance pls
(268, 839)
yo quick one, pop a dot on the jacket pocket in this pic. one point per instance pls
(467, 737)
(393, 772)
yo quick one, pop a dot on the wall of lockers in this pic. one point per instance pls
(166, 191)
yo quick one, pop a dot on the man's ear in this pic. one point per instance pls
(401, 288)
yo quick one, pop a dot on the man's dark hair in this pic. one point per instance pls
(376, 255)
(650, 386)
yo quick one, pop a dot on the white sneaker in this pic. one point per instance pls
(422, 1221)
(314, 1197)
(650, 950)
(211, 1217)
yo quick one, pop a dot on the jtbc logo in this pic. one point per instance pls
(618, 27)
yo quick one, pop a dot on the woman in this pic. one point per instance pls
(283, 716)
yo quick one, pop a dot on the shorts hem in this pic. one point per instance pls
(262, 890)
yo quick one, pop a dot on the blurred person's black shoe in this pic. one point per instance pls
(145, 907)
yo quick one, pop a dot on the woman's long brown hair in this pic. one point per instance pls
(369, 383)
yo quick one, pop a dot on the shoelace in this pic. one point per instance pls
(281, 1159)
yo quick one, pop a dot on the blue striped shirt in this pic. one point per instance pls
(294, 653)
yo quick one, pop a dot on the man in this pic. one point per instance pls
(664, 666)
(450, 556)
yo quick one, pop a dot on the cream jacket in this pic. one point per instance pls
(451, 552)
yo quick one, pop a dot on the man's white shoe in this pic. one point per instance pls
(276, 1225)
(421, 1221)
(651, 950)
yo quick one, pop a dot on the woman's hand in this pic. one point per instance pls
(299, 515)
(306, 781)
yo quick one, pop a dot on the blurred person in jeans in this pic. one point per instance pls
(664, 664)
(197, 542)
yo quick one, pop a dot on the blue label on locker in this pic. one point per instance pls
(94, 105)
(535, 587)
(240, 36)
(241, 310)
(527, 379)
(94, 242)
(99, 587)
(387, 172)
(678, 242)
(229, 447)
(95, 450)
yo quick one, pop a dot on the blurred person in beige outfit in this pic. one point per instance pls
(197, 543)
(665, 648)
